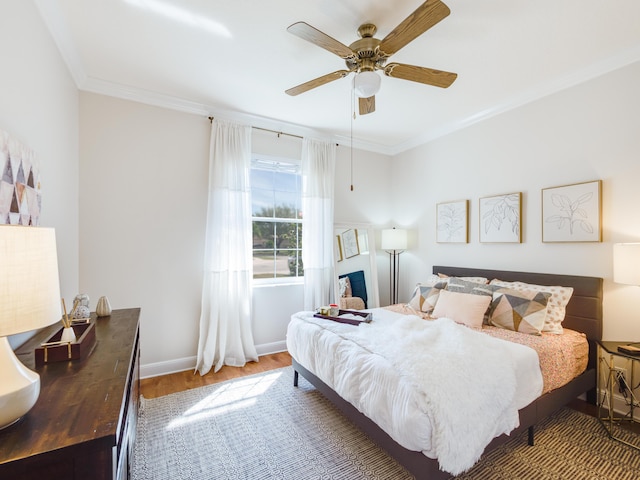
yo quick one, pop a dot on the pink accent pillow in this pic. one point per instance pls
(465, 308)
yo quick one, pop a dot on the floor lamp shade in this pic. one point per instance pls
(394, 239)
(626, 263)
(29, 299)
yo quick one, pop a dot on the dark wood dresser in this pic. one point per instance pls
(84, 423)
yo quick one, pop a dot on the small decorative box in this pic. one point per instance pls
(53, 350)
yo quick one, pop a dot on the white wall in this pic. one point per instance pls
(143, 201)
(585, 133)
(39, 106)
(143, 197)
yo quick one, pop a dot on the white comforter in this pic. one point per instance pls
(433, 386)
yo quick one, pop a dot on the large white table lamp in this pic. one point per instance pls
(29, 300)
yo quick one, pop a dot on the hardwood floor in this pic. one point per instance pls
(177, 382)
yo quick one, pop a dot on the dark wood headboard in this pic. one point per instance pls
(584, 310)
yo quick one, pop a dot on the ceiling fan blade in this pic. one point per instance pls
(316, 82)
(430, 76)
(315, 36)
(421, 20)
(367, 105)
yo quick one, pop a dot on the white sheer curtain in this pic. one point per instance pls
(225, 319)
(318, 171)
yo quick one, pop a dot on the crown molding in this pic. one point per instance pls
(55, 22)
(623, 59)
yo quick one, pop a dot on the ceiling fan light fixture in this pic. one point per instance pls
(366, 84)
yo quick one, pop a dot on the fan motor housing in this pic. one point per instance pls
(367, 50)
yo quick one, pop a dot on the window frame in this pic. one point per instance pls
(283, 160)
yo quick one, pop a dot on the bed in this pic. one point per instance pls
(583, 314)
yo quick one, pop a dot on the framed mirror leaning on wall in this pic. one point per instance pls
(356, 280)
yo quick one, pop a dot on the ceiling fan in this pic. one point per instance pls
(368, 54)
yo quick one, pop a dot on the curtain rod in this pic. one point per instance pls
(268, 130)
(274, 131)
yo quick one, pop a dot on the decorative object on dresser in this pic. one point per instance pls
(572, 213)
(103, 308)
(59, 349)
(394, 242)
(81, 307)
(85, 422)
(29, 299)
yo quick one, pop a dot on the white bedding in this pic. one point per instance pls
(433, 386)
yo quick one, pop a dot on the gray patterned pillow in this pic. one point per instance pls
(522, 311)
(459, 285)
(425, 297)
(556, 306)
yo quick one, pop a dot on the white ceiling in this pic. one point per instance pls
(235, 58)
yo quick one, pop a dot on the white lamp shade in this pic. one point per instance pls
(29, 283)
(394, 239)
(366, 84)
(626, 263)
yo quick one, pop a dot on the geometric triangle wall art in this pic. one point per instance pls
(20, 194)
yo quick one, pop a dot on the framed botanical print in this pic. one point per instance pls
(572, 213)
(501, 218)
(452, 222)
(350, 243)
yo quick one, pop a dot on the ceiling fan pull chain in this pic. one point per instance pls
(353, 117)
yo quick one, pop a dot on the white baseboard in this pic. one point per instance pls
(169, 366)
(189, 363)
(269, 348)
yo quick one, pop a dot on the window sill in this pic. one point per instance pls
(277, 283)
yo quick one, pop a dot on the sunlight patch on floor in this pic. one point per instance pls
(228, 397)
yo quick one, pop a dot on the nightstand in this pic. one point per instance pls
(609, 359)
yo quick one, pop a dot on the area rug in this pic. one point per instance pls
(261, 427)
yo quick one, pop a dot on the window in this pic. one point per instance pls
(276, 199)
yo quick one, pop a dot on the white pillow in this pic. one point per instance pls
(556, 307)
(342, 286)
(465, 308)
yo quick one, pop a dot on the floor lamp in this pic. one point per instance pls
(394, 242)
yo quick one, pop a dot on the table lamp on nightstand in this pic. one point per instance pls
(626, 270)
(29, 299)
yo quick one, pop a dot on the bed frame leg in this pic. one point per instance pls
(530, 436)
(295, 378)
